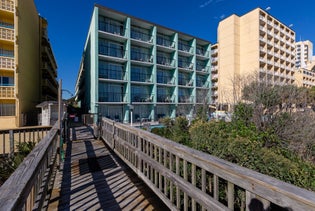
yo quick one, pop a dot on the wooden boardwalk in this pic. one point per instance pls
(94, 178)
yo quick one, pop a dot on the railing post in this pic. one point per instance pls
(11, 137)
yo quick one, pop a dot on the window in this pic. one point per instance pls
(7, 109)
(6, 53)
(6, 81)
(139, 73)
(111, 26)
(109, 70)
(110, 48)
(111, 92)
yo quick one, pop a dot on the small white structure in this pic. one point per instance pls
(49, 114)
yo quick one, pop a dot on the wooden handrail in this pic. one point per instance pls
(9, 138)
(185, 178)
(27, 187)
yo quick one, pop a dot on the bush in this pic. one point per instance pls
(9, 164)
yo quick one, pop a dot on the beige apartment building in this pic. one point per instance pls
(253, 44)
(304, 54)
(305, 64)
(22, 50)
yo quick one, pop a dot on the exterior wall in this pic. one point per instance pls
(249, 40)
(229, 57)
(27, 58)
(134, 66)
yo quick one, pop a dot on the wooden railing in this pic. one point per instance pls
(26, 188)
(188, 179)
(10, 138)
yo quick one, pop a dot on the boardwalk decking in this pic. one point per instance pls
(94, 178)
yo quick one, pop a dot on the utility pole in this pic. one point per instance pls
(60, 121)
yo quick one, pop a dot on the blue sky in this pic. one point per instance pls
(68, 22)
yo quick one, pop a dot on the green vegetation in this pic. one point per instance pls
(9, 164)
(268, 135)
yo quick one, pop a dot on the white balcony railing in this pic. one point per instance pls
(6, 91)
(6, 34)
(7, 63)
(7, 5)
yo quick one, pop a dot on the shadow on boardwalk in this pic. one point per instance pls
(94, 178)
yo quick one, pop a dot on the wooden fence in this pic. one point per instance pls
(10, 138)
(26, 188)
(188, 179)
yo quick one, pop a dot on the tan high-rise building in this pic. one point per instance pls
(304, 53)
(253, 44)
(20, 63)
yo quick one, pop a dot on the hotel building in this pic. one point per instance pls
(304, 53)
(21, 77)
(253, 44)
(132, 66)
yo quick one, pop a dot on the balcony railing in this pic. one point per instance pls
(185, 65)
(184, 47)
(140, 36)
(141, 77)
(141, 98)
(7, 5)
(165, 99)
(185, 82)
(112, 74)
(6, 34)
(165, 42)
(7, 63)
(202, 52)
(143, 57)
(111, 97)
(185, 99)
(201, 68)
(6, 91)
(164, 80)
(201, 83)
(164, 61)
(111, 51)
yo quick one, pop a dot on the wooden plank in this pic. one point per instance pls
(105, 183)
(15, 191)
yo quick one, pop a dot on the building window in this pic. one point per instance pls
(7, 109)
(164, 40)
(6, 25)
(140, 34)
(6, 81)
(164, 77)
(141, 74)
(109, 70)
(109, 48)
(111, 26)
(111, 92)
(140, 94)
(6, 53)
(140, 54)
